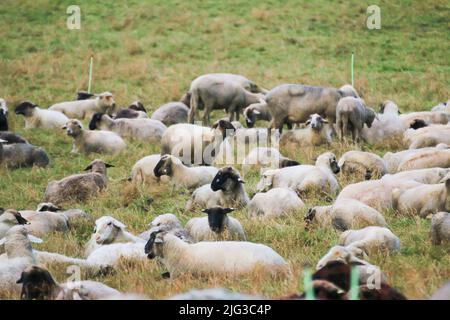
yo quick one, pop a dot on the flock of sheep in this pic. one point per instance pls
(411, 182)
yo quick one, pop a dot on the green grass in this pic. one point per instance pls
(151, 51)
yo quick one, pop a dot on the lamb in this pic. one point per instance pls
(266, 157)
(139, 129)
(22, 155)
(109, 230)
(424, 199)
(216, 226)
(134, 110)
(275, 203)
(351, 115)
(440, 228)
(294, 103)
(36, 117)
(85, 109)
(221, 257)
(171, 113)
(256, 111)
(170, 223)
(226, 190)
(79, 187)
(367, 163)
(143, 171)
(304, 178)
(38, 284)
(369, 239)
(195, 144)
(87, 141)
(346, 214)
(316, 134)
(181, 175)
(9, 219)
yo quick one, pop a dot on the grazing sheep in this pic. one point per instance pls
(430, 117)
(171, 113)
(9, 219)
(79, 187)
(109, 230)
(38, 284)
(266, 157)
(440, 228)
(424, 199)
(143, 171)
(181, 175)
(135, 110)
(351, 115)
(304, 178)
(274, 203)
(367, 163)
(36, 117)
(216, 226)
(139, 129)
(316, 134)
(195, 144)
(256, 111)
(85, 109)
(372, 238)
(294, 103)
(87, 141)
(428, 136)
(220, 257)
(170, 223)
(346, 214)
(10, 137)
(22, 155)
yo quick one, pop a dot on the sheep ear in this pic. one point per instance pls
(64, 127)
(325, 121)
(308, 122)
(109, 165)
(119, 225)
(21, 279)
(158, 240)
(2, 241)
(228, 210)
(205, 210)
(34, 239)
(89, 167)
(256, 112)
(240, 180)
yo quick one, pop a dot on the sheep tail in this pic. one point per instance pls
(194, 105)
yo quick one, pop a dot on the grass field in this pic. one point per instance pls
(151, 51)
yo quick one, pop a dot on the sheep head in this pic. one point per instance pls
(217, 217)
(153, 247)
(266, 181)
(37, 284)
(370, 117)
(316, 122)
(348, 255)
(226, 179)
(164, 166)
(417, 124)
(106, 229)
(95, 121)
(47, 206)
(225, 127)
(25, 108)
(12, 218)
(73, 127)
(288, 163)
(106, 99)
(251, 113)
(328, 159)
(98, 166)
(137, 106)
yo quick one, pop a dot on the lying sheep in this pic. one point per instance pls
(220, 257)
(140, 129)
(168, 222)
(85, 109)
(369, 239)
(79, 187)
(109, 230)
(216, 226)
(426, 159)
(428, 136)
(367, 163)
(143, 171)
(22, 155)
(351, 116)
(423, 199)
(430, 117)
(274, 203)
(38, 284)
(304, 178)
(36, 117)
(316, 134)
(9, 219)
(266, 157)
(426, 176)
(10, 137)
(134, 110)
(171, 113)
(346, 214)
(87, 141)
(112, 254)
(181, 175)
(443, 106)
(257, 111)
(440, 228)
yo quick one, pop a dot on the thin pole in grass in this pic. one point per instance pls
(354, 284)
(352, 69)
(90, 73)
(307, 284)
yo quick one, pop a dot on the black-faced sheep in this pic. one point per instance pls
(134, 110)
(22, 155)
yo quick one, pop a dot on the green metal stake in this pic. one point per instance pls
(354, 284)
(307, 284)
(90, 74)
(352, 67)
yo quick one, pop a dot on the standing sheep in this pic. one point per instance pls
(85, 109)
(256, 111)
(274, 203)
(171, 113)
(22, 155)
(440, 228)
(36, 117)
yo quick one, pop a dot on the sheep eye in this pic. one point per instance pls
(158, 224)
(109, 223)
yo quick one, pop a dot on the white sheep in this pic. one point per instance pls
(440, 228)
(266, 158)
(426, 176)
(274, 203)
(219, 257)
(170, 223)
(367, 163)
(112, 254)
(216, 226)
(426, 159)
(430, 117)
(428, 136)
(85, 109)
(255, 112)
(443, 106)
(36, 117)
(44, 222)
(143, 171)
(10, 218)
(87, 141)
(369, 239)
(317, 133)
(181, 175)
(346, 214)
(304, 178)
